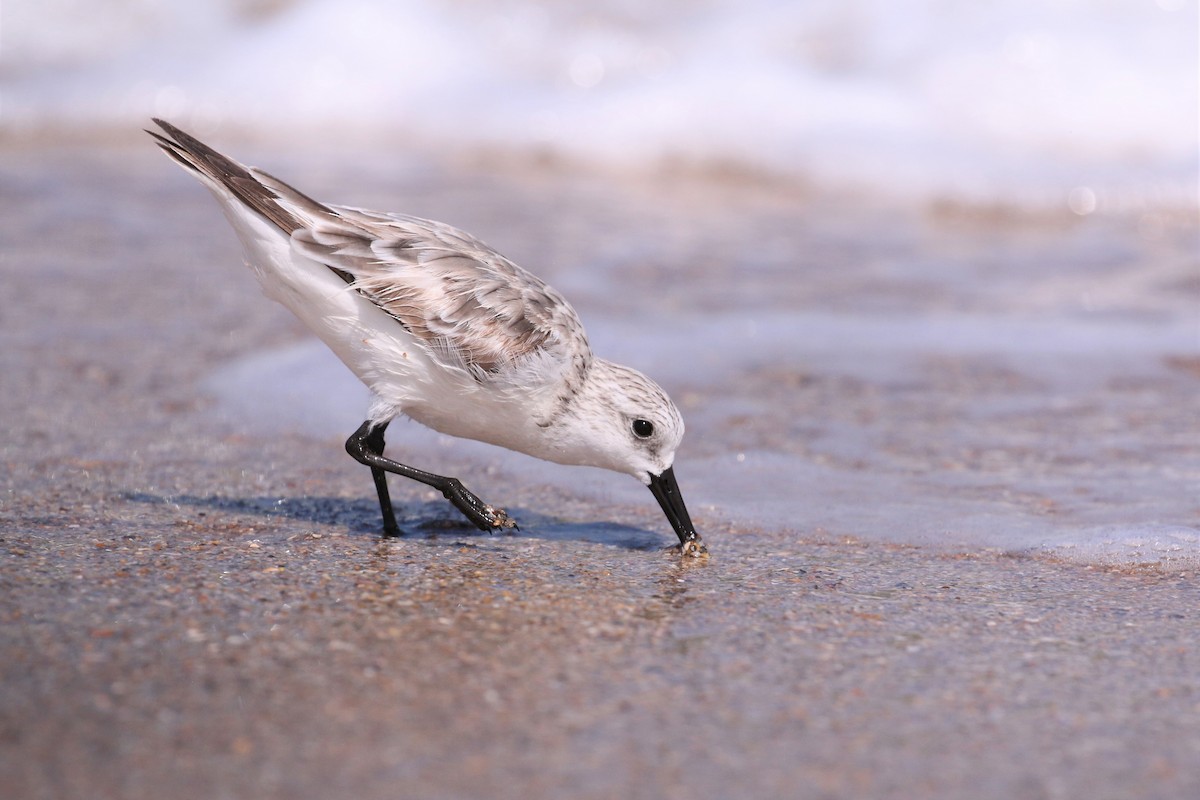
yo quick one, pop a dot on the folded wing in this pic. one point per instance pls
(475, 308)
(472, 307)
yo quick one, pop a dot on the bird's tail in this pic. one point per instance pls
(270, 197)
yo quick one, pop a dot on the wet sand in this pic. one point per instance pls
(193, 608)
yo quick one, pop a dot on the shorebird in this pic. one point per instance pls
(446, 331)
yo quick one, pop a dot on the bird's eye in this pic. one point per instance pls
(643, 428)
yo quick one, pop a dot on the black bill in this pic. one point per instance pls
(666, 492)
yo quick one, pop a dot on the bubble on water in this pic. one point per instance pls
(586, 70)
(1082, 200)
(170, 102)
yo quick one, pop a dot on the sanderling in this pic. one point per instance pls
(446, 331)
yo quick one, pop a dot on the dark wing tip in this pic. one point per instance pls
(205, 158)
(178, 135)
(195, 156)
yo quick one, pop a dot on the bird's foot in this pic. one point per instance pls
(692, 548)
(485, 517)
(500, 520)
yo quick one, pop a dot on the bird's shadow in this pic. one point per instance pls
(431, 522)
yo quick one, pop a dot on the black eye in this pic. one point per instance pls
(643, 428)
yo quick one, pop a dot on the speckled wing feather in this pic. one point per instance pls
(473, 307)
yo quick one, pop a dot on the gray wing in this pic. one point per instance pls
(473, 307)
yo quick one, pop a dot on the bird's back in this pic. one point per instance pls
(417, 309)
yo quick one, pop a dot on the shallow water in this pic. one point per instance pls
(1028, 387)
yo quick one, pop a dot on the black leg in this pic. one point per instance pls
(374, 442)
(365, 445)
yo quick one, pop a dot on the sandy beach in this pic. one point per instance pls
(195, 603)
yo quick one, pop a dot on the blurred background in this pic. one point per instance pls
(1087, 105)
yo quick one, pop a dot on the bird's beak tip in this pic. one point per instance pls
(666, 491)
